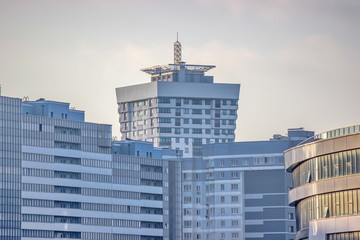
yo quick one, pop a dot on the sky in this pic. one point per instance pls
(298, 62)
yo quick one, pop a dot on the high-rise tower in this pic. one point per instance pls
(181, 107)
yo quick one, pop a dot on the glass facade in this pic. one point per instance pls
(344, 236)
(327, 166)
(325, 171)
(326, 206)
(59, 178)
(10, 168)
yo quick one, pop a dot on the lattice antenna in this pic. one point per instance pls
(177, 50)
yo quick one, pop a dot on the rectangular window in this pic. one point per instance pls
(196, 102)
(163, 100)
(197, 131)
(197, 111)
(197, 121)
(164, 110)
(164, 120)
(234, 162)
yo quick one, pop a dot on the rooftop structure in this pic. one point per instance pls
(180, 108)
(51, 109)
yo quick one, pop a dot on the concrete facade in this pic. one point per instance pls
(180, 108)
(326, 194)
(239, 191)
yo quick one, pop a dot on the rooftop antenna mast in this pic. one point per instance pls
(177, 50)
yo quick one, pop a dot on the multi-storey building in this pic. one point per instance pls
(181, 108)
(239, 191)
(62, 177)
(326, 193)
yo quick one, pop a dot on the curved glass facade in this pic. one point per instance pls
(334, 202)
(341, 236)
(327, 205)
(333, 133)
(327, 166)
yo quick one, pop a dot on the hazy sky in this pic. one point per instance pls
(298, 62)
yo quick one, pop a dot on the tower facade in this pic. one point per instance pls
(62, 177)
(181, 108)
(326, 193)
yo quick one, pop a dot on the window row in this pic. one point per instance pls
(327, 166)
(344, 236)
(327, 205)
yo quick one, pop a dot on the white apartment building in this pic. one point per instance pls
(180, 108)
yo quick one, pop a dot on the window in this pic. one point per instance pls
(187, 224)
(222, 199)
(196, 102)
(197, 121)
(186, 121)
(186, 101)
(207, 111)
(234, 174)
(217, 103)
(234, 162)
(165, 130)
(207, 101)
(197, 111)
(187, 199)
(177, 122)
(197, 131)
(235, 235)
(234, 198)
(187, 188)
(217, 114)
(234, 186)
(186, 111)
(164, 120)
(234, 210)
(222, 162)
(207, 121)
(164, 141)
(164, 110)
(163, 100)
(222, 187)
(217, 123)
